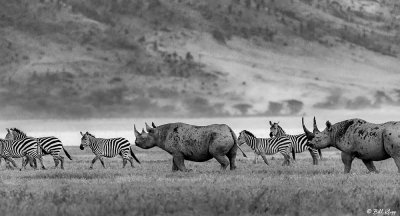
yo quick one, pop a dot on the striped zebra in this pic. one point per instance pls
(26, 147)
(50, 145)
(299, 142)
(267, 146)
(108, 148)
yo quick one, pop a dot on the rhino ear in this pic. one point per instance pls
(82, 133)
(328, 126)
(153, 125)
(148, 128)
(270, 123)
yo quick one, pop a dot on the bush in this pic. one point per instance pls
(218, 36)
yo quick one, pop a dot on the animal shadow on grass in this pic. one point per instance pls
(72, 175)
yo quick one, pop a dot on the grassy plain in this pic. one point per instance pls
(152, 189)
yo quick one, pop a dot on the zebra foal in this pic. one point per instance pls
(267, 146)
(108, 148)
(298, 142)
(50, 145)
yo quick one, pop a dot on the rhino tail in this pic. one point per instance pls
(235, 141)
(320, 153)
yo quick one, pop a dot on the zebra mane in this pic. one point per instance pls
(249, 133)
(18, 131)
(89, 134)
(279, 127)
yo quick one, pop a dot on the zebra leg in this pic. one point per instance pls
(255, 158)
(41, 162)
(93, 161)
(56, 161)
(25, 161)
(131, 161)
(61, 159)
(28, 159)
(314, 157)
(286, 159)
(12, 162)
(32, 162)
(124, 162)
(102, 162)
(262, 154)
(8, 165)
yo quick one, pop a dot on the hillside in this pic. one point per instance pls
(134, 58)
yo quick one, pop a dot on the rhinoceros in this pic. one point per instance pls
(357, 138)
(193, 143)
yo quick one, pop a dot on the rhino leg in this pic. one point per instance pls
(174, 166)
(222, 160)
(179, 161)
(347, 159)
(370, 166)
(232, 157)
(397, 161)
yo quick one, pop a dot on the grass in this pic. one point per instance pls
(152, 189)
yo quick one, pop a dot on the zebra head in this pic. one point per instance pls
(242, 139)
(275, 129)
(85, 141)
(146, 140)
(10, 135)
(15, 134)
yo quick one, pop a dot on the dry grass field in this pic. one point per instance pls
(152, 189)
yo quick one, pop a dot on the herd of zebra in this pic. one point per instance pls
(18, 145)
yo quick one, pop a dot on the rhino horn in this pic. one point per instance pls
(153, 125)
(315, 126)
(136, 132)
(306, 131)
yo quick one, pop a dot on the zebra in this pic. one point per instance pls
(27, 146)
(108, 148)
(267, 146)
(50, 145)
(299, 142)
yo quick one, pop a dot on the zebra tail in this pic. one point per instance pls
(235, 141)
(134, 157)
(293, 154)
(66, 153)
(320, 153)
